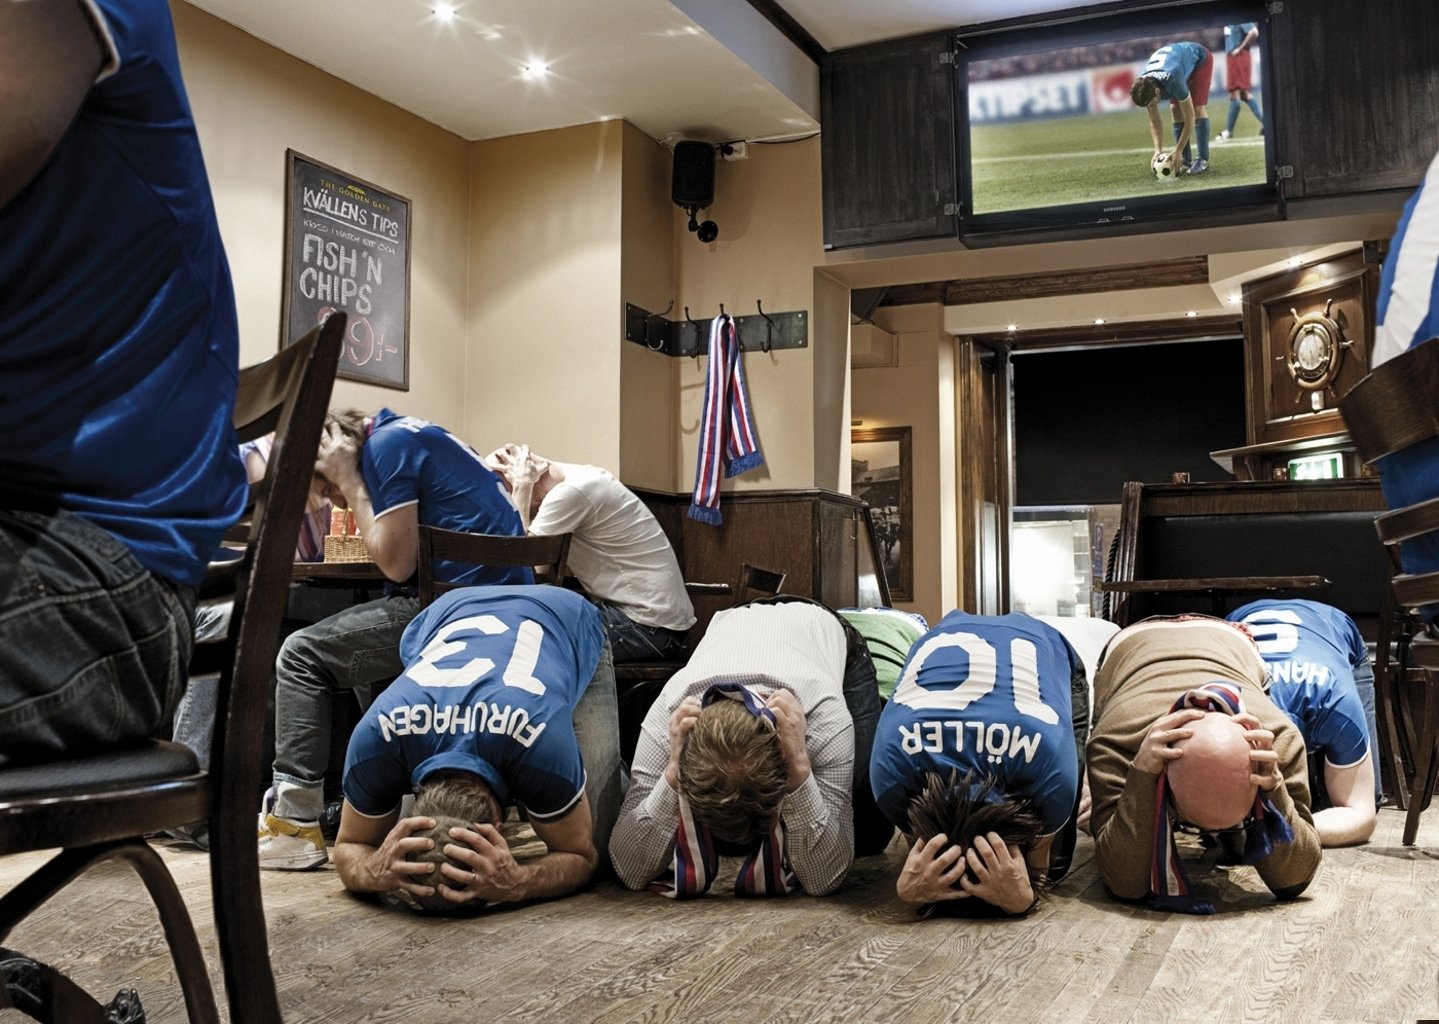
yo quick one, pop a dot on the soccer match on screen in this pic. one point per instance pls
(1117, 120)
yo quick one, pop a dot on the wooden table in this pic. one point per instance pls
(344, 572)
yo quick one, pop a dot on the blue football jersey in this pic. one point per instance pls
(1171, 67)
(1311, 650)
(984, 693)
(492, 678)
(407, 461)
(1236, 34)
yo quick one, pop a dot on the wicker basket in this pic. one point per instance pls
(346, 548)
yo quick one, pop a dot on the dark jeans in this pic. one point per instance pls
(94, 650)
(1061, 853)
(633, 641)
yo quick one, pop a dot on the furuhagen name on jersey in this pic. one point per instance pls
(482, 716)
(995, 740)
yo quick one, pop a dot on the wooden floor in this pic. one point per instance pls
(1363, 944)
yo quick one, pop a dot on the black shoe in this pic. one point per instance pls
(330, 820)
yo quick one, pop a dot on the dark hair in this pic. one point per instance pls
(732, 772)
(963, 807)
(1144, 91)
(453, 803)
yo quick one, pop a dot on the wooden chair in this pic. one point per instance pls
(99, 807)
(639, 682)
(552, 553)
(1394, 407)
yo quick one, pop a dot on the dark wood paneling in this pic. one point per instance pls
(1161, 274)
(1188, 329)
(887, 147)
(1358, 100)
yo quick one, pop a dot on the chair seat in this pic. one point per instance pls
(125, 792)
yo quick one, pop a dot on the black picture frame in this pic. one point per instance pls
(882, 475)
(347, 247)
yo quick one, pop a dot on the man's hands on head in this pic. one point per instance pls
(682, 723)
(1263, 758)
(933, 873)
(1158, 748)
(492, 875)
(338, 462)
(790, 727)
(389, 868)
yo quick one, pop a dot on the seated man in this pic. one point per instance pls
(508, 698)
(394, 473)
(977, 759)
(1184, 734)
(758, 747)
(618, 551)
(1319, 674)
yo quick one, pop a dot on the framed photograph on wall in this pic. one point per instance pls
(347, 247)
(881, 474)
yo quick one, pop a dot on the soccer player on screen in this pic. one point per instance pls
(1181, 73)
(1239, 41)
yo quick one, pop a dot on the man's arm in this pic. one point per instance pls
(392, 539)
(496, 877)
(1351, 817)
(1156, 127)
(1250, 38)
(1278, 768)
(643, 840)
(50, 54)
(372, 853)
(817, 811)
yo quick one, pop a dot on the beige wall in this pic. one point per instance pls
(768, 211)
(251, 103)
(919, 393)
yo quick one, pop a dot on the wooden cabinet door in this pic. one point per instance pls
(888, 142)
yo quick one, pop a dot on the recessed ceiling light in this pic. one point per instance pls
(1234, 298)
(1191, 313)
(534, 72)
(1294, 261)
(445, 12)
(1099, 321)
(1012, 328)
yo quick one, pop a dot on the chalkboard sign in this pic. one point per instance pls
(347, 247)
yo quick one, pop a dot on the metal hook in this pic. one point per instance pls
(654, 316)
(693, 323)
(768, 325)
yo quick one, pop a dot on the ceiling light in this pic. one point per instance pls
(1011, 328)
(1234, 298)
(534, 72)
(1294, 261)
(1099, 321)
(1191, 313)
(445, 12)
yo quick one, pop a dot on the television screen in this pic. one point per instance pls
(1055, 134)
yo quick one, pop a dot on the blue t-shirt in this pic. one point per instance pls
(984, 693)
(492, 678)
(1236, 34)
(1311, 650)
(407, 461)
(1170, 66)
(119, 348)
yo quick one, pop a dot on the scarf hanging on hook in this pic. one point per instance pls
(727, 439)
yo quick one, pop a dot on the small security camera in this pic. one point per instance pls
(708, 231)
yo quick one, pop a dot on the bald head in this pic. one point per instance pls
(1210, 783)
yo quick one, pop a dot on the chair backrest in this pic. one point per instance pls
(755, 581)
(289, 395)
(548, 555)
(1396, 405)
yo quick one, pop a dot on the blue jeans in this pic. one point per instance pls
(597, 730)
(357, 649)
(94, 650)
(633, 641)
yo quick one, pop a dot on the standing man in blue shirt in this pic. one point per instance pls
(120, 470)
(1181, 73)
(987, 724)
(508, 698)
(1320, 676)
(394, 473)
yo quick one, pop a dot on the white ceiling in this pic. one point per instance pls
(708, 69)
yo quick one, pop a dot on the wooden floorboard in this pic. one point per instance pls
(1361, 945)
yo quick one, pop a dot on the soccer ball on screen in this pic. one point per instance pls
(1162, 167)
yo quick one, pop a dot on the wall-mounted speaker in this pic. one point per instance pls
(693, 180)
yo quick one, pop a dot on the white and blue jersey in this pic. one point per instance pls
(1311, 650)
(1170, 67)
(119, 347)
(989, 694)
(409, 461)
(492, 679)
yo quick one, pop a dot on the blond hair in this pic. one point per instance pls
(453, 803)
(732, 772)
(351, 423)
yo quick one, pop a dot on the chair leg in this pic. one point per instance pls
(1426, 760)
(43, 993)
(60, 870)
(240, 917)
(1388, 683)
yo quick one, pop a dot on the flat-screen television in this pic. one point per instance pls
(1051, 141)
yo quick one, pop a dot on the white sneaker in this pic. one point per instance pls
(290, 845)
(1223, 136)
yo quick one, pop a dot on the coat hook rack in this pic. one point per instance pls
(686, 336)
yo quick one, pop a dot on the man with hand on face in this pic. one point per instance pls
(1184, 736)
(508, 698)
(394, 473)
(977, 759)
(759, 748)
